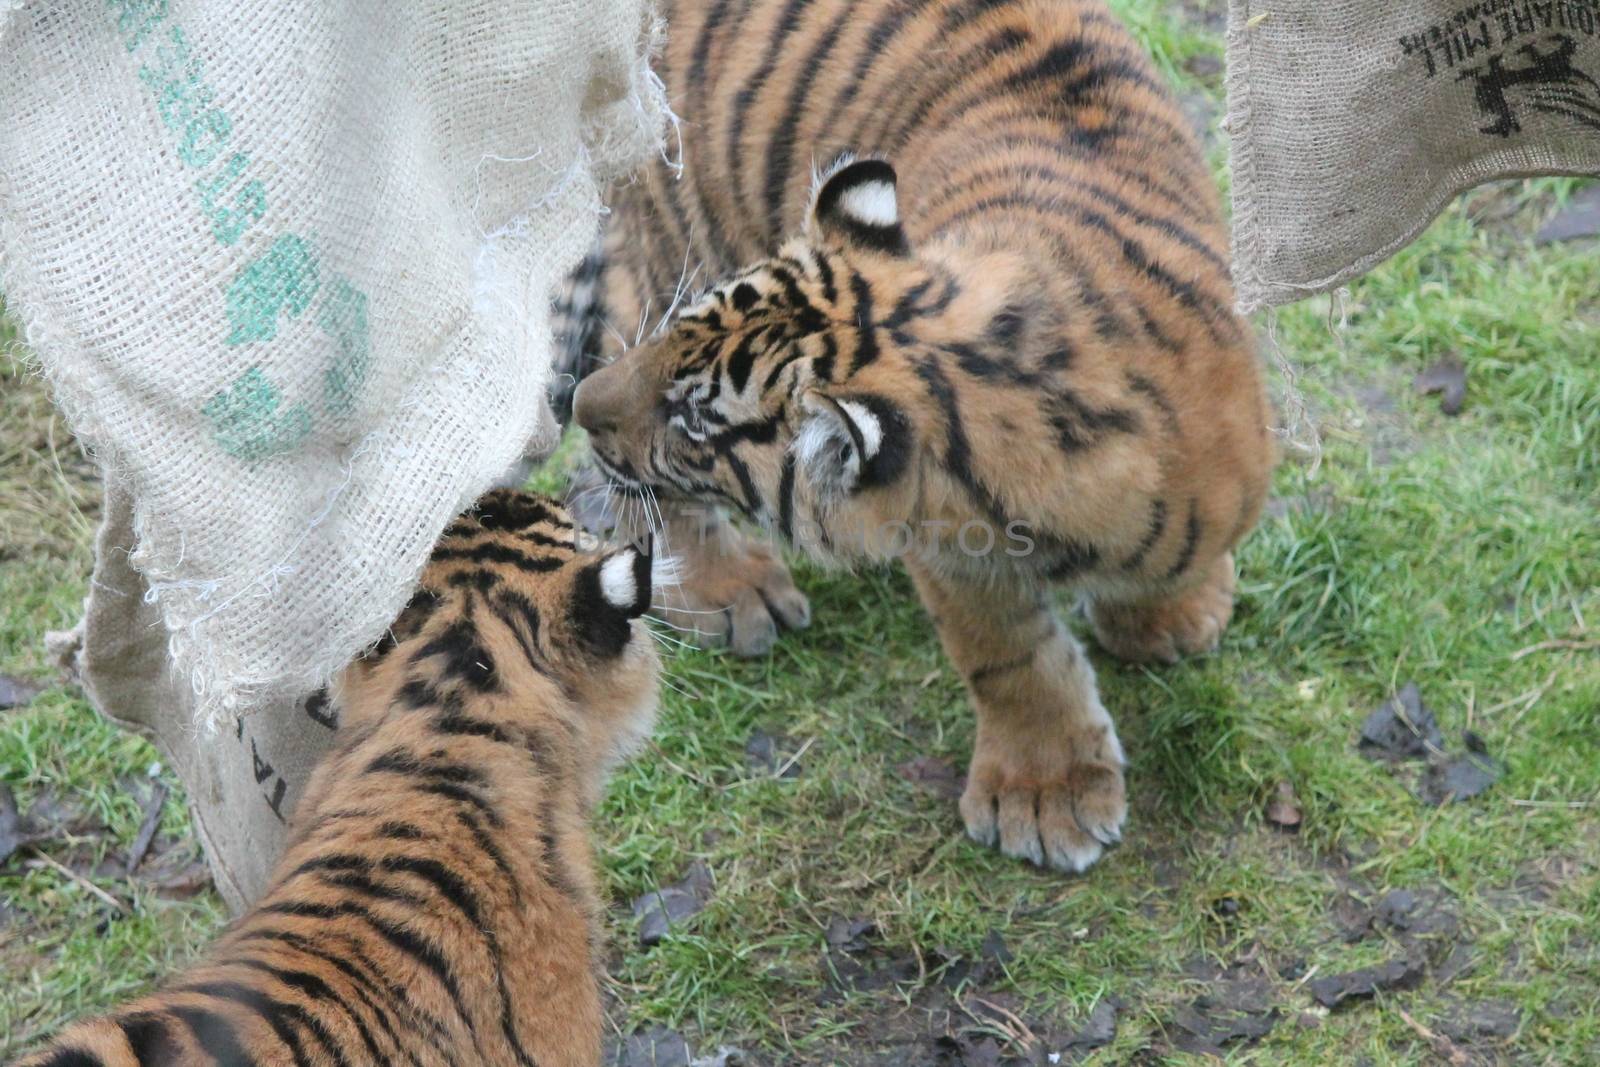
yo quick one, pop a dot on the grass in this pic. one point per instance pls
(1424, 548)
(62, 949)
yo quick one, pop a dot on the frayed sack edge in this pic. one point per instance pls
(1299, 432)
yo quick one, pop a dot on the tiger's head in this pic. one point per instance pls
(795, 390)
(517, 617)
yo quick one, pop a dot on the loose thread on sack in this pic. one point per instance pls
(1299, 430)
(1340, 302)
(649, 83)
(647, 102)
(477, 178)
(674, 165)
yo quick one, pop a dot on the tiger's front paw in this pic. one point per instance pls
(1164, 629)
(1053, 804)
(729, 590)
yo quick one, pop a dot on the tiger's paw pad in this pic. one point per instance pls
(732, 593)
(1065, 825)
(1162, 631)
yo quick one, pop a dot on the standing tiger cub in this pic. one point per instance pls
(437, 902)
(1008, 358)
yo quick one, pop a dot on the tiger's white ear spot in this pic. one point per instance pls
(871, 204)
(855, 205)
(866, 423)
(617, 583)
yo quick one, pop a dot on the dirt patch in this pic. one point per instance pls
(933, 775)
(14, 834)
(1535, 885)
(1316, 501)
(1234, 1011)
(1371, 408)
(16, 693)
(1340, 990)
(1204, 66)
(1461, 777)
(174, 868)
(659, 909)
(1208, 15)
(774, 755)
(50, 819)
(58, 832)
(1474, 1021)
(656, 1046)
(920, 1005)
(1510, 213)
(1448, 378)
(1578, 218)
(1402, 728)
(857, 961)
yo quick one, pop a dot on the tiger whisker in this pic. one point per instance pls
(621, 340)
(695, 611)
(685, 280)
(584, 494)
(686, 630)
(644, 317)
(668, 641)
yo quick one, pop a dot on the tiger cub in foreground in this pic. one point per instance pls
(1003, 350)
(437, 902)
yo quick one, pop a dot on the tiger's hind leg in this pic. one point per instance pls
(1165, 627)
(1045, 783)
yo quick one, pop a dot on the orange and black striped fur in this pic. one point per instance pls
(1013, 315)
(437, 902)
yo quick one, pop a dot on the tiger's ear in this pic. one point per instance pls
(608, 595)
(625, 579)
(837, 442)
(855, 205)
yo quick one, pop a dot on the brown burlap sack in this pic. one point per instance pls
(1353, 122)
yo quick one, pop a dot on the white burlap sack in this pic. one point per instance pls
(288, 265)
(1353, 122)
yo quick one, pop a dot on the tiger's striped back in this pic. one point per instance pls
(994, 112)
(437, 903)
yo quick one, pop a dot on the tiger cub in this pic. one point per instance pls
(437, 901)
(1000, 347)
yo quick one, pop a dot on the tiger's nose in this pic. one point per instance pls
(615, 399)
(589, 408)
